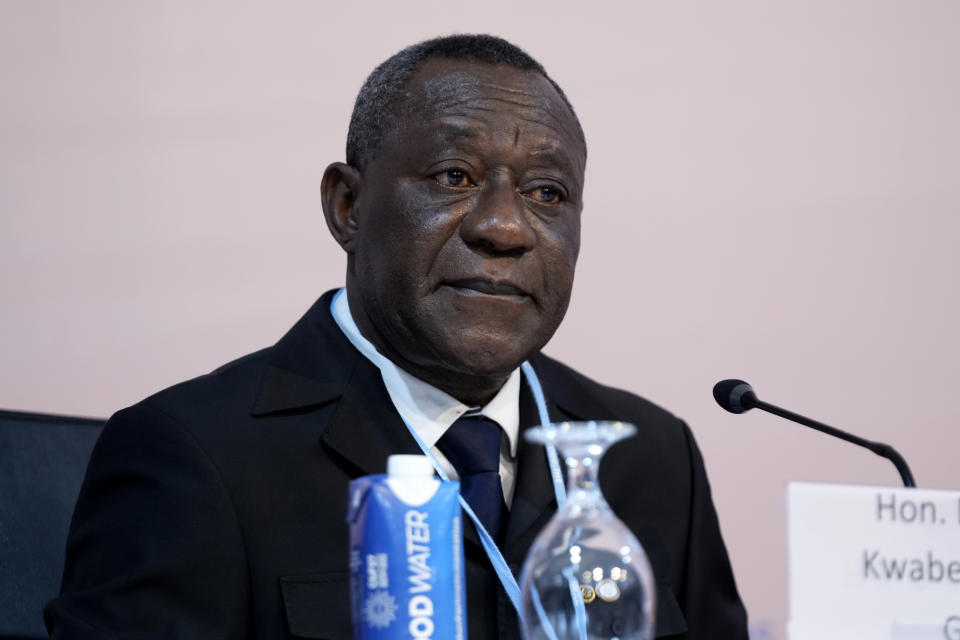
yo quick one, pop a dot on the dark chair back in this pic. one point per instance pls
(42, 462)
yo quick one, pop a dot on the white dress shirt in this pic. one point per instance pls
(430, 411)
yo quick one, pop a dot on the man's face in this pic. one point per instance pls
(468, 222)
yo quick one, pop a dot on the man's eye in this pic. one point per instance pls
(546, 195)
(453, 178)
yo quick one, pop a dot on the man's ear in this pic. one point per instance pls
(339, 190)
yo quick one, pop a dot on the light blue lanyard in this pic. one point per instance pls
(509, 583)
(556, 473)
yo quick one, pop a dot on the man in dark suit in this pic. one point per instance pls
(216, 508)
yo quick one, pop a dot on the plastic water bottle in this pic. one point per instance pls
(406, 554)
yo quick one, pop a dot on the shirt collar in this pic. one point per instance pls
(428, 410)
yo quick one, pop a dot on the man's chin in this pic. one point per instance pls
(488, 359)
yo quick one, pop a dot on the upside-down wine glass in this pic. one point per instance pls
(586, 577)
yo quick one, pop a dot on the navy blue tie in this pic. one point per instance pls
(472, 445)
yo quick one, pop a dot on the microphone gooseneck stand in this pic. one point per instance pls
(737, 396)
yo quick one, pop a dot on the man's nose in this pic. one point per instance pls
(498, 223)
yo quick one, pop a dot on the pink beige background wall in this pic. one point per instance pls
(773, 193)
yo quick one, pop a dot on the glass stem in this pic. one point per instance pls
(583, 485)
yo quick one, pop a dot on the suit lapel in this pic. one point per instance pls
(366, 428)
(534, 499)
(282, 390)
(313, 365)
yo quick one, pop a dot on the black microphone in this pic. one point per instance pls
(736, 396)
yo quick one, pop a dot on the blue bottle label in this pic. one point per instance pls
(406, 562)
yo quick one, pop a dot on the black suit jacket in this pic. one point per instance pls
(216, 508)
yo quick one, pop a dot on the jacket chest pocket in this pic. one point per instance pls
(317, 605)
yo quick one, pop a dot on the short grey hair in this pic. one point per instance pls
(378, 104)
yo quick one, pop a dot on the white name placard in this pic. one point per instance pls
(873, 562)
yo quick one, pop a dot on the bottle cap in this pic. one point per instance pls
(407, 465)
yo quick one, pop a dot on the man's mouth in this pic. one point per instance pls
(481, 286)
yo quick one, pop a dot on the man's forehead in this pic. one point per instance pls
(442, 83)
(449, 89)
(469, 131)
